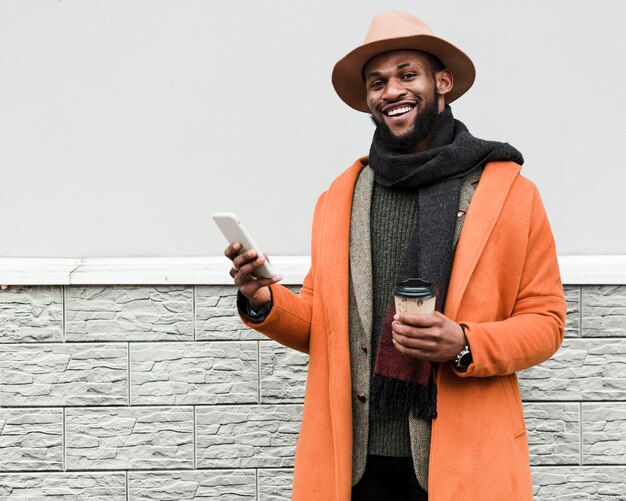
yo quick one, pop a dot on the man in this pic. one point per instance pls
(413, 407)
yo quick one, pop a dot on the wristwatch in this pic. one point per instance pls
(464, 359)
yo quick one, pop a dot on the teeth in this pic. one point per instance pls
(398, 111)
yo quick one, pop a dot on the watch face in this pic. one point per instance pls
(466, 360)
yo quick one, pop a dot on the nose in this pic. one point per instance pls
(393, 90)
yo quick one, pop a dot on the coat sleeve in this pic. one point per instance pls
(289, 321)
(534, 330)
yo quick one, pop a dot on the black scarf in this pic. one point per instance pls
(402, 383)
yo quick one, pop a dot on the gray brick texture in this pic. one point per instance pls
(31, 314)
(100, 486)
(129, 438)
(145, 392)
(245, 437)
(128, 313)
(604, 311)
(63, 374)
(31, 439)
(194, 373)
(217, 318)
(229, 485)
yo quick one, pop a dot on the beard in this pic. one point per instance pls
(425, 119)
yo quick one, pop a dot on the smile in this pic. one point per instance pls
(400, 110)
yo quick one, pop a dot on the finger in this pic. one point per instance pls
(246, 274)
(411, 330)
(412, 352)
(428, 320)
(420, 344)
(250, 266)
(243, 259)
(232, 250)
(264, 282)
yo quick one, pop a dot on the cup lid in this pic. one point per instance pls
(414, 288)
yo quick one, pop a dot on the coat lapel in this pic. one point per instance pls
(335, 249)
(483, 212)
(361, 251)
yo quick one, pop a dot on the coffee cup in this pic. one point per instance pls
(415, 296)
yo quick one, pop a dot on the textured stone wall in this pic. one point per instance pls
(160, 393)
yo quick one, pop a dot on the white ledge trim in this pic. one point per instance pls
(593, 270)
(583, 270)
(136, 270)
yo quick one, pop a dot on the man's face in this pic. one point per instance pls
(402, 96)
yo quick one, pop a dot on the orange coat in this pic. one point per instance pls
(505, 286)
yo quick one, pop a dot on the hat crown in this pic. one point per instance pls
(395, 24)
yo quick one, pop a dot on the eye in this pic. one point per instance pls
(408, 75)
(376, 84)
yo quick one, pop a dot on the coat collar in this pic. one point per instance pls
(484, 210)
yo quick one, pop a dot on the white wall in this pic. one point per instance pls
(125, 124)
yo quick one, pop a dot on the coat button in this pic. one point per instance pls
(361, 397)
(364, 348)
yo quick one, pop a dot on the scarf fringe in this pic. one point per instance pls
(394, 398)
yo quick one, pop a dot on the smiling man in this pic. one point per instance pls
(405, 406)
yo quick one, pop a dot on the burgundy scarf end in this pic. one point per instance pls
(394, 398)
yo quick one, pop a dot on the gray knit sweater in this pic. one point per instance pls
(393, 219)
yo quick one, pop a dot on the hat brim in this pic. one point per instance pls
(347, 77)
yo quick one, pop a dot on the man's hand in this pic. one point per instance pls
(434, 337)
(256, 290)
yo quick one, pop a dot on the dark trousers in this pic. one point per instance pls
(388, 479)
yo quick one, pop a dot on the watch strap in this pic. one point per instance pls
(464, 359)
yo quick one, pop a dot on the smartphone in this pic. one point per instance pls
(234, 231)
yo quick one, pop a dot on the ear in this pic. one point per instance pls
(444, 82)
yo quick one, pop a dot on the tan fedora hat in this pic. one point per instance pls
(393, 30)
